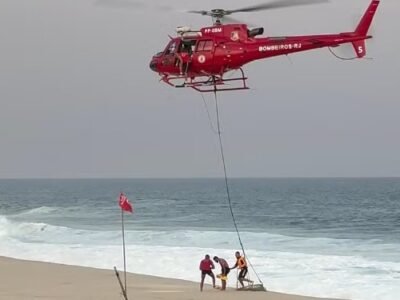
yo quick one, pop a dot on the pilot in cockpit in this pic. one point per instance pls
(171, 49)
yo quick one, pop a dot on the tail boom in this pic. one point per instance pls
(275, 46)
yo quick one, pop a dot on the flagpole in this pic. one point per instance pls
(123, 246)
(125, 206)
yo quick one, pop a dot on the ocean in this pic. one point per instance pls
(317, 237)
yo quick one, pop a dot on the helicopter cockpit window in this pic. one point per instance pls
(205, 45)
(171, 48)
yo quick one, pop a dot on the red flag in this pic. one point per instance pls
(124, 203)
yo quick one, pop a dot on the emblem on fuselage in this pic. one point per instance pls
(201, 59)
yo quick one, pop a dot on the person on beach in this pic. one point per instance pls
(224, 271)
(206, 267)
(241, 264)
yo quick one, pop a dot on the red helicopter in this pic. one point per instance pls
(200, 59)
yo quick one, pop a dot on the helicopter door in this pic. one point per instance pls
(204, 54)
(169, 60)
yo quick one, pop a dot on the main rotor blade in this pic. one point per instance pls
(201, 12)
(276, 4)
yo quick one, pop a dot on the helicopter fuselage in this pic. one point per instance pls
(218, 49)
(215, 50)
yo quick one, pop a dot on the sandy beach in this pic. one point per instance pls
(20, 279)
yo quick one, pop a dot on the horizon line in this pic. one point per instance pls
(188, 178)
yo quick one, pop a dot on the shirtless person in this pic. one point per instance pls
(224, 271)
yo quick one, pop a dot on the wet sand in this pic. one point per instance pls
(20, 279)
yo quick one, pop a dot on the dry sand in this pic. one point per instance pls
(31, 280)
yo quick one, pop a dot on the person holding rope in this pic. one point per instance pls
(242, 265)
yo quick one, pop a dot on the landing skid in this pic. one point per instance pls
(207, 83)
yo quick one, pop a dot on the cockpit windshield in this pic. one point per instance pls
(171, 48)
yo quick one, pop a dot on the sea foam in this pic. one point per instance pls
(284, 263)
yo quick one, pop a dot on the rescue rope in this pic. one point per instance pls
(226, 180)
(212, 127)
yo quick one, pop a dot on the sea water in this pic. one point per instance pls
(318, 237)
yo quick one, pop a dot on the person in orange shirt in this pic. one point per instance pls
(242, 265)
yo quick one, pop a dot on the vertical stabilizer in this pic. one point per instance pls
(365, 23)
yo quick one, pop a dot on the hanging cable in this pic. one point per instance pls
(341, 58)
(226, 181)
(212, 127)
(345, 58)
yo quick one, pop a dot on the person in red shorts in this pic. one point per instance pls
(206, 266)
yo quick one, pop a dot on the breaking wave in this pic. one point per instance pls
(308, 266)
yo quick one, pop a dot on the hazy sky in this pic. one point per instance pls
(77, 98)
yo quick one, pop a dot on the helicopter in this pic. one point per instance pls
(200, 59)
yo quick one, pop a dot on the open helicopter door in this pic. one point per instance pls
(169, 59)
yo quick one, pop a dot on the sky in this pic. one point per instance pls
(78, 100)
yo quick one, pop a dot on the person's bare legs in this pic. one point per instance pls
(223, 285)
(213, 279)
(202, 281)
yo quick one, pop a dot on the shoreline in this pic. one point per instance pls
(26, 279)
